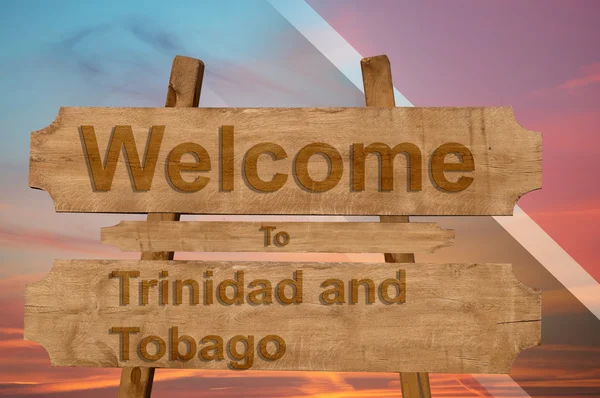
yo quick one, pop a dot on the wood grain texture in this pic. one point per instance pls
(136, 382)
(185, 84)
(316, 237)
(415, 385)
(507, 160)
(458, 318)
(379, 91)
(377, 82)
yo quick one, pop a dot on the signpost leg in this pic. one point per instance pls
(415, 385)
(184, 91)
(379, 91)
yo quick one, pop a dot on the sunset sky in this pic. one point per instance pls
(540, 57)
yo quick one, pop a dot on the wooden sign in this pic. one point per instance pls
(344, 161)
(458, 318)
(394, 317)
(317, 237)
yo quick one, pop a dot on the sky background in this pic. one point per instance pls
(541, 57)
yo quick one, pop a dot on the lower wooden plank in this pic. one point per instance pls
(323, 237)
(456, 318)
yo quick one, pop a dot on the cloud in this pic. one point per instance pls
(157, 37)
(589, 75)
(134, 66)
(21, 236)
(68, 46)
(15, 285)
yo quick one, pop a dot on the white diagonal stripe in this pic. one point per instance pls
(501, 386)
(329, 42)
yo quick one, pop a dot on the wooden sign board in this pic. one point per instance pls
(298, 237)
(458, 318)
(344, 161)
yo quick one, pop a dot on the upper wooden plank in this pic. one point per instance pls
(237, 180)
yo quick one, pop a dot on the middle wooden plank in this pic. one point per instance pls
(298, 237)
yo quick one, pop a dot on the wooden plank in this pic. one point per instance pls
(185, 84)
(67, 160)
(379, 91)
(457, 318)
(298, 237)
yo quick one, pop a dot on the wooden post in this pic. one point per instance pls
(185, 84)
(379, 91)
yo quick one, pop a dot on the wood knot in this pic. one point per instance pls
(136, 375)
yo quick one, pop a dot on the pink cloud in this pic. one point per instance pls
(589, 75)
(546, 366)
(15, 285)
(24, 236)
(34, 239)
